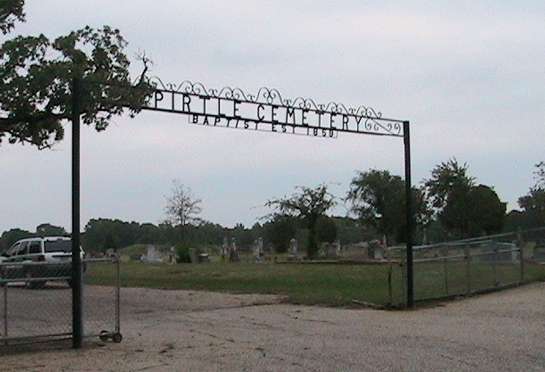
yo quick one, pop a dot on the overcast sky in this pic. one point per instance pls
(469, 75)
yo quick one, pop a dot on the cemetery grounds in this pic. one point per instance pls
(329, 284)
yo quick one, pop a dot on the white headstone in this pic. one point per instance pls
(225, 248)
(294, 250)
(258, 249)
(151, 254)
(233, 254)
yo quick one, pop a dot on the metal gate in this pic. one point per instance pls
(36, 301)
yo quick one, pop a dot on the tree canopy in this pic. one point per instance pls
(533, 203)
(307, 205)
(377, 198)
(36, 76)
(47, 229)
(11, 236)
(326, 229)
(279, 231)
(487, 211)
(11, 11)
(540, 175)
(464, 208)
(448, 178)
(182, 207)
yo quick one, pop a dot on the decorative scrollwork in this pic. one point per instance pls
(373, 119)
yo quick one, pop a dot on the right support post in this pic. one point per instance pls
(409, 214)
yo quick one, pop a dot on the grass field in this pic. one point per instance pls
(305, 284)
(332, 285)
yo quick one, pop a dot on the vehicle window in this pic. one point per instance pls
(35, 247)
(22, 249)
(51, 246)
(13, 249)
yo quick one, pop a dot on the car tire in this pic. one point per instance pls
(104, 336)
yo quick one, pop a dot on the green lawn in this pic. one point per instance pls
(333, 285)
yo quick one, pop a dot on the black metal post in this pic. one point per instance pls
(77, 315)
(520, 244)
(409, 214)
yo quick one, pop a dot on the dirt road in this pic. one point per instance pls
(199, 331)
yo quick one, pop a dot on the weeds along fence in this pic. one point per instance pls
(36, 302)
(478, 265)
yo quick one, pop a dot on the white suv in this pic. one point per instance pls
(22, 260)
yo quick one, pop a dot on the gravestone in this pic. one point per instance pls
(356, 251)
(379, 252)
(329, 250)
(294, 249)
(225, 249)
(258, 250)
(338, 248)
(151, 256)
(376, 250)
(233, 253)
(193, 255)
(172, 256)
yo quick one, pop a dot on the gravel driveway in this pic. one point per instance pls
(202, 331)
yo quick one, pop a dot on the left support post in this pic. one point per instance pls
(77, 282)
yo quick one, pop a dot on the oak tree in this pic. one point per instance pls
(37, 74)
(307, 205)
(377, 198)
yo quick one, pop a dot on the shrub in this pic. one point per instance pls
(182, 254)
(326, 230)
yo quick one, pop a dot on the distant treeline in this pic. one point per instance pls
(449, 205)
(102, 233)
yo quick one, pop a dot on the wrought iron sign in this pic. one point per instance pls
(267, 111)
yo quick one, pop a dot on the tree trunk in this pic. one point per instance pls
(312, 246)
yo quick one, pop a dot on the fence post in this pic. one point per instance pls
(520, 243)
(404, 283)
(468, 268)
(495, 262)
(5, 309)
(390, 292)
(445, 269)
(117, 296)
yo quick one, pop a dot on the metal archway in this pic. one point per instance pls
(266, 110)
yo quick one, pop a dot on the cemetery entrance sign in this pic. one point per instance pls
(267, 110)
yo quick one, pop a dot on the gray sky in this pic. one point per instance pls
(470, 75)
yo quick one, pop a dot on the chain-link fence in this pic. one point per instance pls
(478, 265)
(101, 302)
(36, 301)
